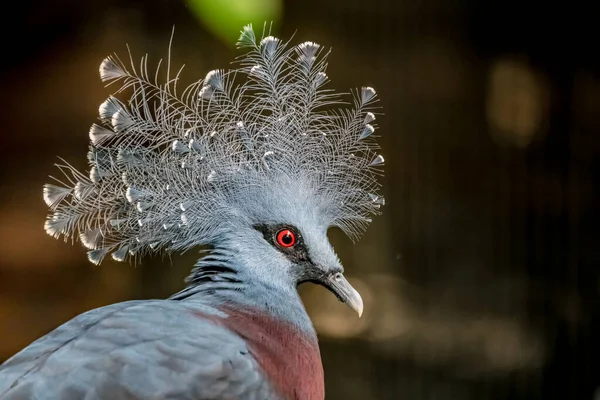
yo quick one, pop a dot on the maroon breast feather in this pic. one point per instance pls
(289, 358)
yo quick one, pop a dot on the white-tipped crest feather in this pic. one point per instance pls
(247, 37)
(54, 194)
(179, 147)
(367, 131)
(320, 79)
(120, 254)
(143, 206)
(367, 94)
(90, 238)
(133, 195)
(377, 161)
(214, 79)
(206, 93)
(83, 189)
(121, 120)
(308, 49)
(195, 145)
(55, 227)
(269, 45)
(96, 256)
(100, 134)
(108, 108)
(110, 70)
(95, 174)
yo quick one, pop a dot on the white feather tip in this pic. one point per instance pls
(121, 120)
(95, 174)
(82, 190)
(367, 131)
(100, 134)
(269, 45)
(179, 148)
(90, 238)
(379, 160)
(96, 256)
(378, 200)
(206, 93)
(214, 79)
(308, 50)
(55, 226)
(120, 254)
(133, 195)
(108, 108)
(320, 78)
(110, 70)
(367, 94)
(54, 194)
(247, 37)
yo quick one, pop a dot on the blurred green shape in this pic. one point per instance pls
(226, 18)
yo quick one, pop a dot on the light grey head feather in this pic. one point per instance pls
(170, 171)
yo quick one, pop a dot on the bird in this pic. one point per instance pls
(253, 164)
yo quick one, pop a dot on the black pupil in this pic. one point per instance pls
(287, 238)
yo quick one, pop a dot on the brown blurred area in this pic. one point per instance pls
(481, 280)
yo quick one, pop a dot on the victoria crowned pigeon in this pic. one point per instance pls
(256, 164)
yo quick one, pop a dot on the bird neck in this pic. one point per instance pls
(218, 280)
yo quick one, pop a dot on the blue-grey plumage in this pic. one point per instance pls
(255, 163)
(136, 350)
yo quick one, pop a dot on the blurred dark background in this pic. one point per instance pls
(481, 280)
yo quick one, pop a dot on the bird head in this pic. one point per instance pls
(259, 161)
(279, 233)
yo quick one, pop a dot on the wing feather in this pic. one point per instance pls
(156, 349)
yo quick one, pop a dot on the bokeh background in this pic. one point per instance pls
(481, 280)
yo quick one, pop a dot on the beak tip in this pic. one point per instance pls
(359, 307)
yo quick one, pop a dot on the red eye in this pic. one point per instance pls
(286, 238)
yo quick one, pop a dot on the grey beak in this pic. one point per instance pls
(345, 292)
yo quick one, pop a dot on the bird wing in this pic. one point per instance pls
(159, 349)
